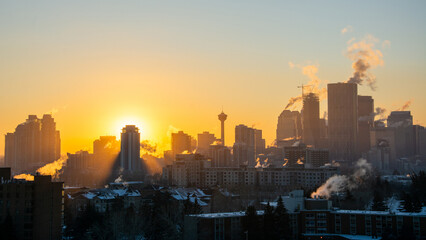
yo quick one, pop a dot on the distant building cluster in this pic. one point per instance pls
(191, 170)
(34, 143)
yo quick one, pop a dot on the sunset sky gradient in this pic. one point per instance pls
(98, 65)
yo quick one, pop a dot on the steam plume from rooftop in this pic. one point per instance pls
(364, 57)
(313, 85)
(339, 183)
(405, 106)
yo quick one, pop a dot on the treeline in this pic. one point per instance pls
(160, 219)
(273, 224)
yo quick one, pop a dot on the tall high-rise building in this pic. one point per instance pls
(181, 142)
(365, 122)
(259, 142)
(247, 142)
(289, 125)
(311, 119)
(34, 143)
(402, 123)
(205, 139)
(222, 118)
(130, 149)
(343, 120)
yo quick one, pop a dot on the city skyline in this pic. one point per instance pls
(166, 93)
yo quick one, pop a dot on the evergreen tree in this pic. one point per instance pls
(282, 220)
(269, 223)
(407, 203)
(417, 205)
(378, 202)
(251, 224)
(196, 208)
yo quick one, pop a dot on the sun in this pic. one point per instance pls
(130, 120)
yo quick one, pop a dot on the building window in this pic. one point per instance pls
(368, 225)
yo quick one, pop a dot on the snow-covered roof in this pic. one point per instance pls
(422, 213)
(344, 236)
(181, 194)
(223, 214)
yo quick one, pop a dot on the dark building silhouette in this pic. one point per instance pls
(205, 139)
(34, 143)
(365, 122)
(32, 208)
(295, 155)
(289, 125)
(220, 156)
(106, 146)
(248, 143)
(343, 121)
(181, 142)
(405, 133)
(222, 118)
(130, 149)
(311, 119)
(400, 119)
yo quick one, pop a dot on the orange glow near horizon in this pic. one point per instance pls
(131, 120)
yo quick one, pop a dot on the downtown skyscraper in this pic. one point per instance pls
(34, 143)
(343, 120)
(130, 149)
(311, 119)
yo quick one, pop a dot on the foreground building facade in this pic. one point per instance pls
(34, 209)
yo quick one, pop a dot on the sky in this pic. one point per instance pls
(168, 65)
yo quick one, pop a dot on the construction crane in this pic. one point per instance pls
(302, 87)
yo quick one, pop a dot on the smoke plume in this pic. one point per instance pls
(293, 100)
(339, 183)
(405, 106)
(27, 177)
(313, 85)
(364, 57)
(54, 169)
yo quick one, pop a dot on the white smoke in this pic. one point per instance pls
(339, 183)
(365, 57)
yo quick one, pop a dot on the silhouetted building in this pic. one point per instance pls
(311, 119)
(259, 142)
(247, 142)
(289, 125)
(222, 118)
(33, 209)
(205, 139)
(80, 161)
(295, 155)
(130, 149)
(34, 143)
(181, 142)
(343, 120)
(382, 135)
(316, 157)
(380, 155)
(365, 122)
(405, 137)
(106, 146)
(220, 156)
(186, 170)
(400, 119)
